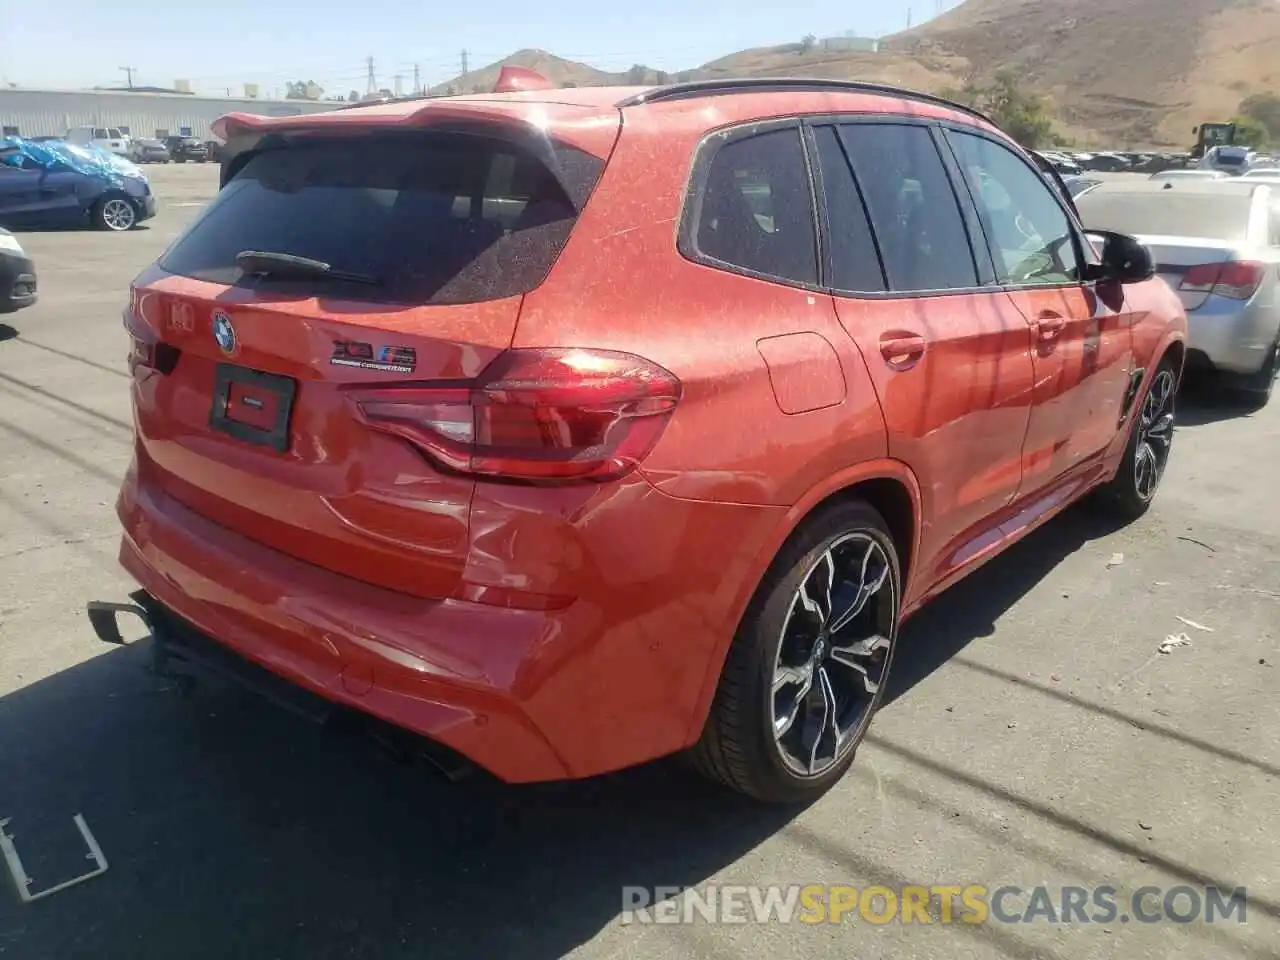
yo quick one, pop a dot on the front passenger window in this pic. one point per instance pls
(1031, 238)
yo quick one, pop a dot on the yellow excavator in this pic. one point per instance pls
(1212, 134)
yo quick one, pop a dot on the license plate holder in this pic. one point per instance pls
(264, 402)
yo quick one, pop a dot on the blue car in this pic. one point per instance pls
(55, 184)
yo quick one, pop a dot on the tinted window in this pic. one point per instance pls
(757, 211)
(913, 207)
(855, 263)
(432, 219)
(100, 133)
(1031, 236)
(1167, 213)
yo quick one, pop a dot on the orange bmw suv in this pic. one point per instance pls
(568, 429)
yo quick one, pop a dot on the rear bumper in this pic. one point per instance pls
(615, 679)
(1234, 337)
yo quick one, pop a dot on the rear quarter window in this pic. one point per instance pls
(433, 218)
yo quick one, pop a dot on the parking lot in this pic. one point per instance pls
(1034, 734)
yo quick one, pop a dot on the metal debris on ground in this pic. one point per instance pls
(1199, 543)
(1196, 626)
(23, 882)
(1174, 640)
(1115, 561)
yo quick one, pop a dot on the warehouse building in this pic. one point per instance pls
(51, 113)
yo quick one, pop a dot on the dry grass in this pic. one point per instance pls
(1117, 72)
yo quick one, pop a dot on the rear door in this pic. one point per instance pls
(1081, 338)
(252, 409)
(953, 374)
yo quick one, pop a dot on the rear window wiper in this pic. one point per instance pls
(287, 266)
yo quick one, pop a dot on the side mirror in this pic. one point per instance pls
(1123, 258)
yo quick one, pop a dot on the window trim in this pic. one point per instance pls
(985, 277)
(1073, 222)
(827, 265)
(707, 149)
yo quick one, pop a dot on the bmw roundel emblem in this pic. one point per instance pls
(224, 332)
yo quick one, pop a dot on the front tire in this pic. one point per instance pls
(1130, 492)
(808, 666)
(115, 213)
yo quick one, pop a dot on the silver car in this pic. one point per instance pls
(1217, 243)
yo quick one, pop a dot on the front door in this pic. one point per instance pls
(953, 374)
(1081, 344)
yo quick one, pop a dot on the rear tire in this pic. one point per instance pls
(1130, 492)
(808, 666)
(1256, 390)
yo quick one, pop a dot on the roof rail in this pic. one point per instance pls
(720, 87)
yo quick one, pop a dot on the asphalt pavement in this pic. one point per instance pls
(1034, 735)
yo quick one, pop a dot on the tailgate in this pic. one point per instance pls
(260, 437)
(244, 368)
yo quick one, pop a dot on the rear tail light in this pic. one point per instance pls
(146, 351)
(1237, 279)
(534, 415)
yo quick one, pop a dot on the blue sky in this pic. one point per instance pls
(224, 44)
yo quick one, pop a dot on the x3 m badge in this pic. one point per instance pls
(389, 358)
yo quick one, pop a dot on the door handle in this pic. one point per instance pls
(902, 349)
(1049, 327)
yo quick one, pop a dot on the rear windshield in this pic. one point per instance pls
(444, 218)
(1162, 213)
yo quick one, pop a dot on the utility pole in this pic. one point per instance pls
(465, 71)
(908, 18)
(373, 77)
(417, 85)
(129, 72)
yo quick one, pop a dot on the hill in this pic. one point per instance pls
(1137, 73)
(1141, 71)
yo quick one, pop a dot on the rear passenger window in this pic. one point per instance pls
(427, 218)
(913, 206)
(757, 210)
(855, 263)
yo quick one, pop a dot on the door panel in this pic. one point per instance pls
(1081, 345)
(956, 414)
(1082, 356)
(950, 363)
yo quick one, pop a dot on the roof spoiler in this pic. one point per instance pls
(514, 79)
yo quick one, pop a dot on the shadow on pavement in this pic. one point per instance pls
(969, 611)
(1204, 401)
(234, 830)
(7, 332)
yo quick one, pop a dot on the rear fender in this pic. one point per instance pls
(828, 489)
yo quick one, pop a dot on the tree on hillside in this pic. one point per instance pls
(637, 75)
(1018, 112)
(1265, 109)
(808, 43)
